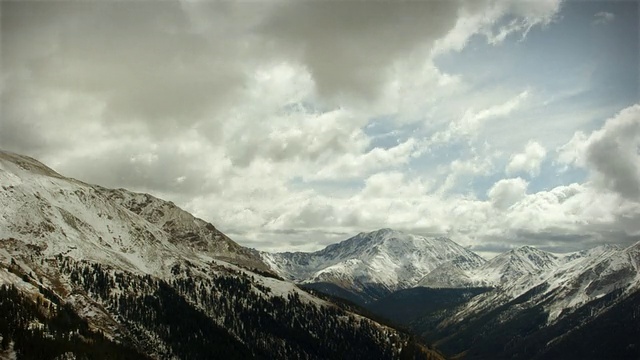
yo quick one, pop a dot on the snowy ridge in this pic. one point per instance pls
(47, 215)
(133, 231)
(392, 259)
(561, 284)
(525, 261)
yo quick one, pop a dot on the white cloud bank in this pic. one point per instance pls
(255, 117)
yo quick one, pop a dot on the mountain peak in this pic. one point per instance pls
(389, 258)
(382, 233)
(526, 249)
(25, 164)
(117, 227)
(529, 251)
(515, 263)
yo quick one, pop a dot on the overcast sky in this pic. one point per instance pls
(292, 125)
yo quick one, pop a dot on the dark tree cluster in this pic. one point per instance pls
(230, 315)
(35, 330)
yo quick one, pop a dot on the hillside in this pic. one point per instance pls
(92, 272)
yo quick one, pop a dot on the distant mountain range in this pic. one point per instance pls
(90, 272)
(386, 258)
(390, 260)
(468, 302)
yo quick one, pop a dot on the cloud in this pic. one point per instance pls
(603, 17)
(472, 121)
(352, 165)
(528, 161)
(480, 164)
(140, 60)
(572, 153)
(348, 46)
(481, 17)
(258, 117)
(613, 153)
(507, 192)
(297, 136)
(610, 153)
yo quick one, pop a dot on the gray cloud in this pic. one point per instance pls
(163, 170)
(159, 68)
(507, 192)
(206, 103)
(561, 241)
(556, 240)
(141, 60)
(610, 153)
(301, 137)
(613, 153)
(348, 45)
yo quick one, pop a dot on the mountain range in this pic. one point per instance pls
(505, 307)
(390, 260)
(386, 259)
(91, 272)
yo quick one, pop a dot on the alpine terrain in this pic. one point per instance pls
(371, 265)
(524, 303)
(90, 272)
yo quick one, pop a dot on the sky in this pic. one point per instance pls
(294, 125)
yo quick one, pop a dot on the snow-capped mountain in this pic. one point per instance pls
(562, 285)
(580, 305)
(526, 298)
(515, 264)
(393, 260)
(82, 264)
(525, 261)
(387, 258)
(89, 272)
(133, 231)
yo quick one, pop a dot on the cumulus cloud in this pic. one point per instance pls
(255, 116)
(610, 153)
(613, 152)
(572, 153)
(507, 192)
(100, 71)
(347, 46)
(363, 163)
(480, 164)
(528, 161)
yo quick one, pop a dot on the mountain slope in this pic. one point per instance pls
(514, 264)
(587, 306)
(385, 258)
(131, 271)
(525, 303)
(108, 226)
(547, 310)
